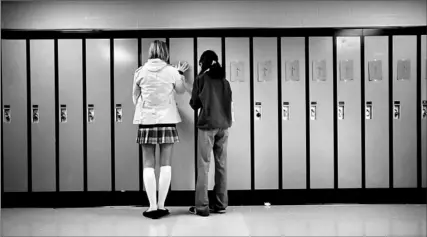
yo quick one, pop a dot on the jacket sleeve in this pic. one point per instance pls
(136, 90)
(178, 81)
(195, 101)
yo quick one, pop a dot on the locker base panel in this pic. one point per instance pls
(236, 198)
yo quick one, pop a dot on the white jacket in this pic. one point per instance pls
(154, 88)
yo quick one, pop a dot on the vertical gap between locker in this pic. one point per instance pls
(195, 112)
(279, 98)
(307, 109)
(334, 110)
(84, 115)
(141, 161)
(56, 115)
(29, 118)
(251, 93)
(112, 114)
(390, 101)
(362, 109)
(418, 114)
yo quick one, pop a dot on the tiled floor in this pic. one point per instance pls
(310, 220)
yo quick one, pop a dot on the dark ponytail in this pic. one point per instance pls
(209, 60)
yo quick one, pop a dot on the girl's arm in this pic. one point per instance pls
(136, 90)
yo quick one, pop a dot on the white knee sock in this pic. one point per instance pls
(164, 183)
(150, 187)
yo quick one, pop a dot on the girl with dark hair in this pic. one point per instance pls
(212, 95)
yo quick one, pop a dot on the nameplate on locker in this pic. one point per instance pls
(319, 70)
(7, 114)
(285, 110)
(341, 110)
(91, 113)
(264, 71)
(258, 111)
(237, 71)
(424, 109)
(119, 113)
(64, 114)
(396, 110)
(375, 70)
(36, 114)
(313, 111)
(368, 110)
(346, 70)
(292, 70)
(403, 69)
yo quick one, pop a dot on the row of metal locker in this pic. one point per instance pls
(93, 56)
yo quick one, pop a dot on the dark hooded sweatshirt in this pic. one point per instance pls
(213, 96)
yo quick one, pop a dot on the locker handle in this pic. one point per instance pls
(396, 110)
(36, 114)
(91, 113)
(7, 115)
(119, 113)
(63, 114)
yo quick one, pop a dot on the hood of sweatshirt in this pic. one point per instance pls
(155, 65)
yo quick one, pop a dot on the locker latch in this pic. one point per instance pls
(341, 110)
(285, 110)
(119, 113)
(368, 110)
(258, 110)
(91, 113)
(64, 114)
(36, 114)
(396, 110)
(424, 109)
(7, 116)
(313, 111)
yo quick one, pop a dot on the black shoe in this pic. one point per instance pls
(163, 212)
(217, 210)
(151, 214)
(193, 210)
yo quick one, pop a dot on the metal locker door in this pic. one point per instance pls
(99, 122)
(404, 127)
(43, 115)
(215, 45)
(126, 148)
(321, 113)
(14, 112)
(145, 46)
(71, 115)
(239, 141)
(423, 111)
(266, 124)
(349, 117)
(183, 166)
(293, 113)
(376, 112)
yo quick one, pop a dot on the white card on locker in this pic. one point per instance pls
(346, 70)
(403, 69)
(375, 70)
(264, 71)
(237, 71)
(292, 70)
(319, 70)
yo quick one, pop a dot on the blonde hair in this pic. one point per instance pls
(158, 49)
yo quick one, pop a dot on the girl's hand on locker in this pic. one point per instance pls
(182, 66)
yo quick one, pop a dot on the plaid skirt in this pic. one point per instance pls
(157, 134)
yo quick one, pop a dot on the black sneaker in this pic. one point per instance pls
(193, 210)
(163, 212)
(216, 210)
(151, 214)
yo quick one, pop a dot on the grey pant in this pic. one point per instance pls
(208, 140)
